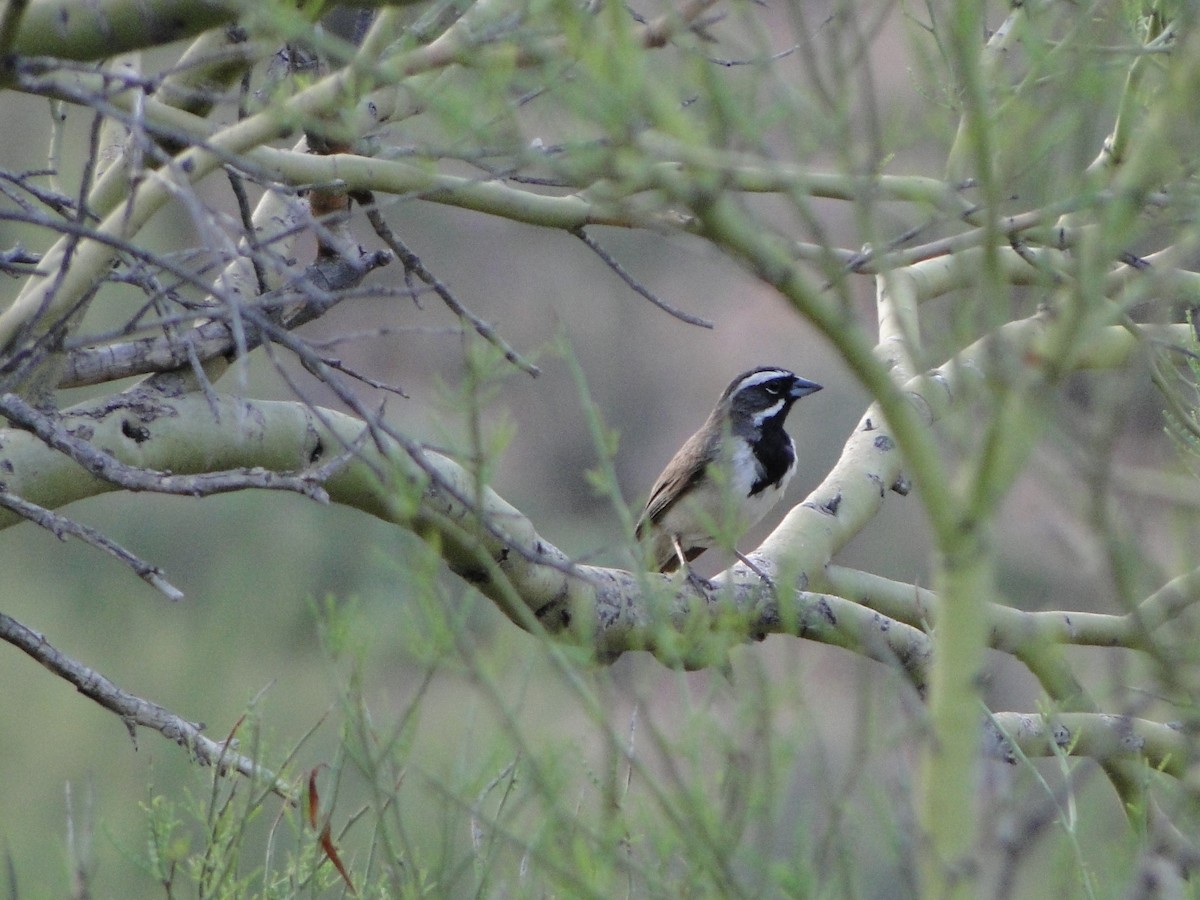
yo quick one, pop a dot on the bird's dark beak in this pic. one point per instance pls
(802, 388)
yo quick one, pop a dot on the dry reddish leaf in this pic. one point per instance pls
(313, 800)
(331, 852)
(326, 839)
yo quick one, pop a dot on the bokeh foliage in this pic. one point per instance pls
(861, 192)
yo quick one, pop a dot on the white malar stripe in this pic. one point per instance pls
(763, 414)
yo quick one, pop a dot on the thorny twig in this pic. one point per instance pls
(323, 285)
(412, 264)
(609, 260)
(135, 711)
(60, 526)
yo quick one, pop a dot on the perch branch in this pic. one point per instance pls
(610, 609)
(1104, 738)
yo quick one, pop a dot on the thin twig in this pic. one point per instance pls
(349, 337)
(214, 337)
(412, 264)
(18, 261)
(238, 185)
(382, 433)
(754, 61)
(284, 298)
(55, 200)
(196, 366)
(135, 710)
(636, 286)
(339, 366)
(60, 526)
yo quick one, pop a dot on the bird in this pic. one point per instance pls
(727, 475)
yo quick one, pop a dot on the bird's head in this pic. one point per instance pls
(762, 398)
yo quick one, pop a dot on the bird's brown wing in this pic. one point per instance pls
(675, 479)
(672, 484)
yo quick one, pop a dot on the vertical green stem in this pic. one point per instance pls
(948, 766)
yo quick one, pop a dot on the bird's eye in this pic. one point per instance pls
(772, 389)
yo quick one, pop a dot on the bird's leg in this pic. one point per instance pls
(703, 585)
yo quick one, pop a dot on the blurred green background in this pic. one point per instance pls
(258, 569)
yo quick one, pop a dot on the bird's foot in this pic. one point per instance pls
(698, 583)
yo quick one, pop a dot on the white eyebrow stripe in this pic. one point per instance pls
(761, 378)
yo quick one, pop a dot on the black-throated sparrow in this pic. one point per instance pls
(729, 473)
